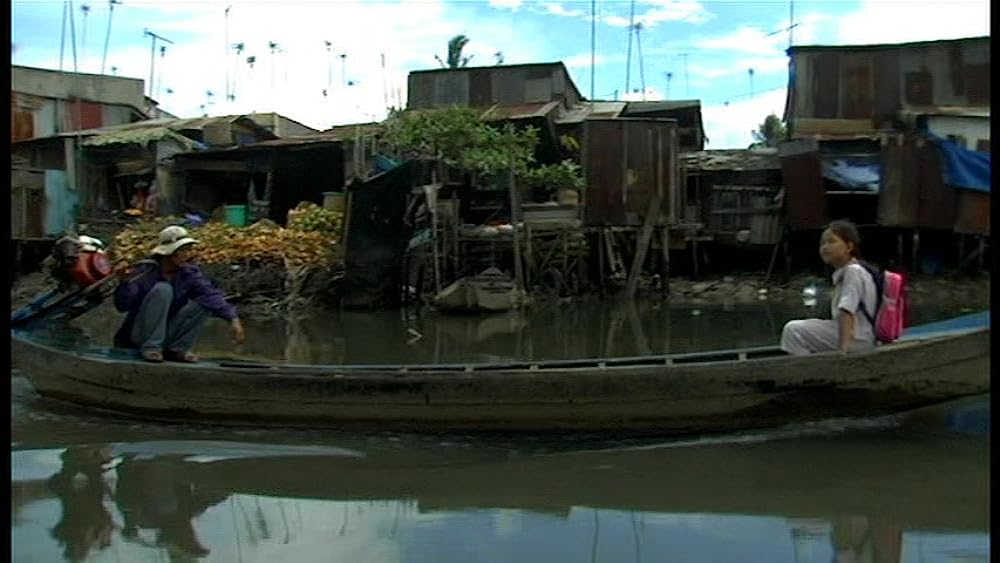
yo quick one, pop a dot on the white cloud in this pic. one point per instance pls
(559, 10)
(746, 39)
(672, 10)
(583, 60)
(730, 126)
(885, 21)
(506, 4)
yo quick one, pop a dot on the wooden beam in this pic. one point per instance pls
(213, 165)
(642, 244)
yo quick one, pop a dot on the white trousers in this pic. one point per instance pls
(807, 336)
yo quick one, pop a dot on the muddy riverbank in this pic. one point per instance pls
(263, 292)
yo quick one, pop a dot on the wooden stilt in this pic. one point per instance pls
(601, 255)
(665, 244)
(915, 254)
(899, 248)
(961, 252)
(642, 245)
(694, 255)
(982, 252)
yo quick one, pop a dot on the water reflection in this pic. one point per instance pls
(858, 498)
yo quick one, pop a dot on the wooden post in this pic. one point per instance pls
(601, 255)
(916, 250)
(899, 247)
(961, 252)
(665, 244)
(642, 245)
(982, 251)
(432, 193)
(515, 209)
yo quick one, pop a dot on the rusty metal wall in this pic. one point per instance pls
(862, 83)
(897, 202)
(419, 90)
(27, 203)
(972, 212)
(913, 193)
(625, 162)
(480, 88)
(856, 86)
(802, 171)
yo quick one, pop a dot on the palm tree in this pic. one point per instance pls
(455, 58)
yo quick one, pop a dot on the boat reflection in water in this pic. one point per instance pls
(819, 496)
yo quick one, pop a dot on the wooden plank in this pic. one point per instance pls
(213, 165)
(642, 245)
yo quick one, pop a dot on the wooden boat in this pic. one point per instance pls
(664, 394)
(491, 290)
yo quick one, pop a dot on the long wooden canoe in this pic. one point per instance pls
(664, 394)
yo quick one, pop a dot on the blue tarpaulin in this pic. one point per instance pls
(964, 168)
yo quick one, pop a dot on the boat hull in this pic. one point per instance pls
(662, 395)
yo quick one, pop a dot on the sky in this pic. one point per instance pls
(326, 63)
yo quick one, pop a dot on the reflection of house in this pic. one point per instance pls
(866, 124)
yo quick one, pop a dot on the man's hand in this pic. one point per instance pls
(239, 336)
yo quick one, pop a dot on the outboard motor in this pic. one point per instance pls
(81, 268)
(79, 261)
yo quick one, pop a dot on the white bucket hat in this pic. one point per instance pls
(172, 238)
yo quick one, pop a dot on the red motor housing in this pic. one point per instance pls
(90, 268)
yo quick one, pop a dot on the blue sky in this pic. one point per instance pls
(708, 47)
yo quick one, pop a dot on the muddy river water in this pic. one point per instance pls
(100, 487)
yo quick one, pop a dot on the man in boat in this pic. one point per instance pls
(166, 300)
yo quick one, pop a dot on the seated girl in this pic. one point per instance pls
(849, 329)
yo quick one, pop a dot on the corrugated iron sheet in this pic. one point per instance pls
(91, 115)
(913, 193)
(729, 159)
(519, 111)
(824, 85)
(972, 212)
(801, 168)
(27, 203)
(856, 91)
(480, 88)
(626, 161)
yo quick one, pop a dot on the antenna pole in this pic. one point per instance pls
(225, 59)
(62, 42)
(593, 45)
(638, 46)
(107, 35)
(152, 55)
(72, 34)
(628, 57)
(791, 21)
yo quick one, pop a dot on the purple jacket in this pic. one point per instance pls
(189, 284)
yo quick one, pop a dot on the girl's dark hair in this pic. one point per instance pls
(848, 232)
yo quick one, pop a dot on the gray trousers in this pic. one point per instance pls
(153, 330)
(806, 336)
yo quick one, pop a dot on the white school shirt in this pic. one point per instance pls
(853, 285)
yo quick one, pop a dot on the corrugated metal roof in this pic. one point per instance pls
(583, 110)
(661, 105)
(801, 48)
(348, 131)
(142, 132)
(739, 159)
(519, 111)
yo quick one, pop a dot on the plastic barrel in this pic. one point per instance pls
(333, 201)
(236, 215)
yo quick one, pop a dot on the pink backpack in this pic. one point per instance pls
(890, 304)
